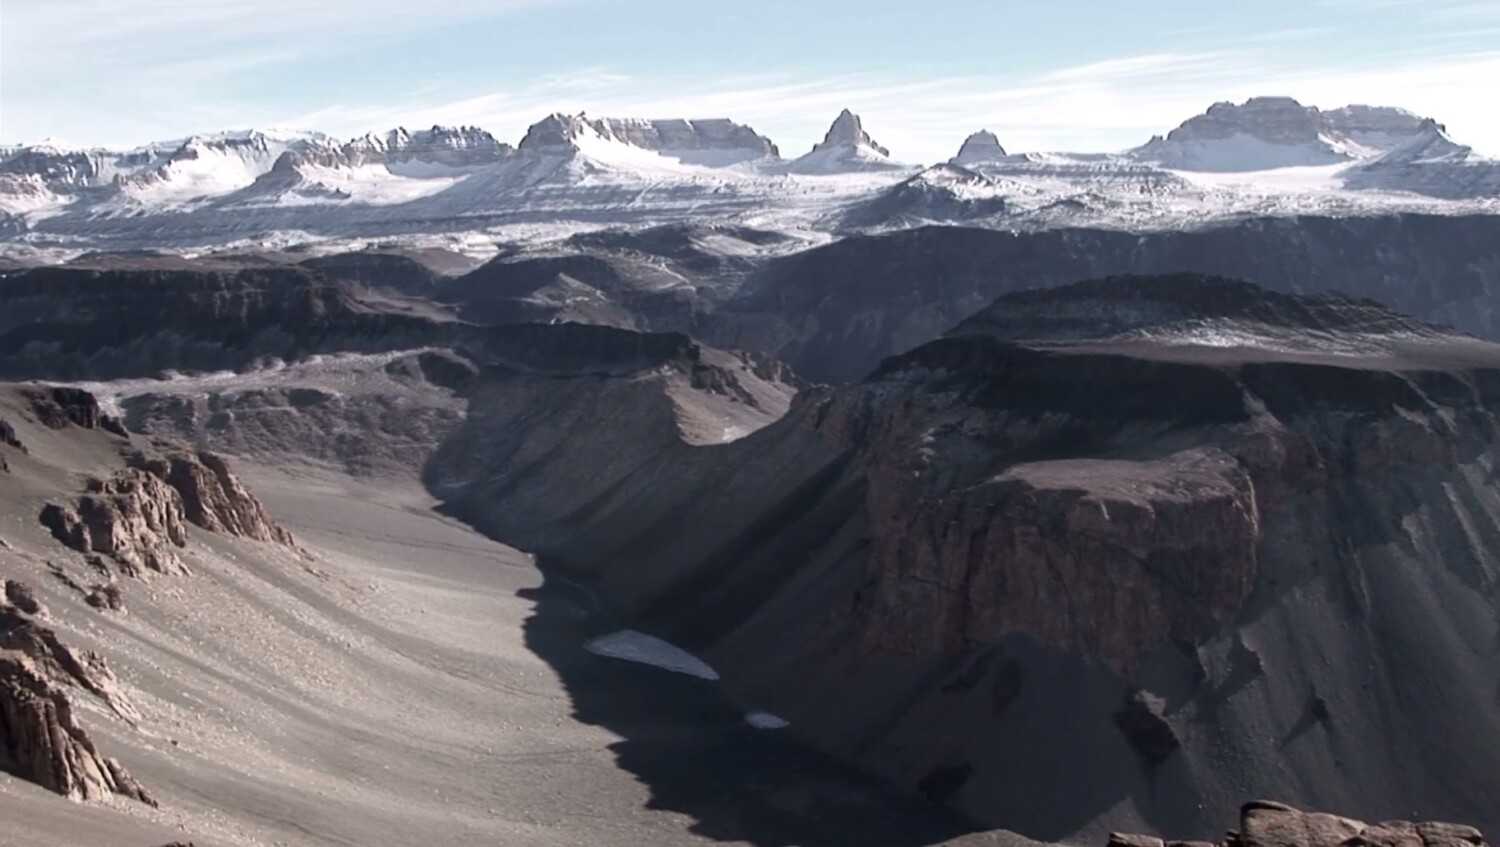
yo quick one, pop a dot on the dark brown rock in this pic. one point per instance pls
(1107, 558)
(58, 407)
(1146, 728)
(23, 597)
(62, 663)
(8, 436)
(105, 597)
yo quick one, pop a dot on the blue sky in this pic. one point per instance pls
(1061, 75)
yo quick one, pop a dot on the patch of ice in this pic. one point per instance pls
(766, 721)
(638, 647)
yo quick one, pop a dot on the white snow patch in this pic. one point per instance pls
(766, 721)
(638, 647)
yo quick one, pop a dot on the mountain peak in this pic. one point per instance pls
(848, 130)
(556, 131)
(1279, 132)
(982, 146)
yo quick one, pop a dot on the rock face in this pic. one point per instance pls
(21, 596)
(74, 323)
(703, 142)
(139, 516)
(56, 408)
(212, 497)
(1267, 824)
(135, 517)
(8, 436)
(41, 741)
(1149, 525)
(58, 661)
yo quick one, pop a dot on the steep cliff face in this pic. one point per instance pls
(71, 323)
(1190, 542)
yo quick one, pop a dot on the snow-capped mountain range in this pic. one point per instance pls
(1267, 156)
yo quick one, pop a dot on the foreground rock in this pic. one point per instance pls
(1267, 824)
(41, 741)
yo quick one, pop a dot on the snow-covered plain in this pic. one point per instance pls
(1266, 157)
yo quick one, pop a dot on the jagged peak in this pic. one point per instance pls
(559, 131)
(848, 130)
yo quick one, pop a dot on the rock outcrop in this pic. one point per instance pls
(23, 597)
(212, 497)
(835, 312)
(1268, 824)
(1150, 529)
(139, 516)
(59, 407)
(8, 436)
(134, 517)
(41, 740)
(59, 662)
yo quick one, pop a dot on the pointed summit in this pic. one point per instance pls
(846, 148)
(849, 130)
(982, 146)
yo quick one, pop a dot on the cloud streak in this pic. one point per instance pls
(112, 50)
(1105, 105)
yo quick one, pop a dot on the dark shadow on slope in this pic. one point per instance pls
(692, 747)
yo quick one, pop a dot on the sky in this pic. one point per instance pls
(1075, 75)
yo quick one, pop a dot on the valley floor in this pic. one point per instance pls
(410, 682)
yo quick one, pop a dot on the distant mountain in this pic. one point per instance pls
(577, 172)
(846, 148)
(982, 146)
(1278, 132)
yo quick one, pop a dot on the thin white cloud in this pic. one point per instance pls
(1106, 105)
